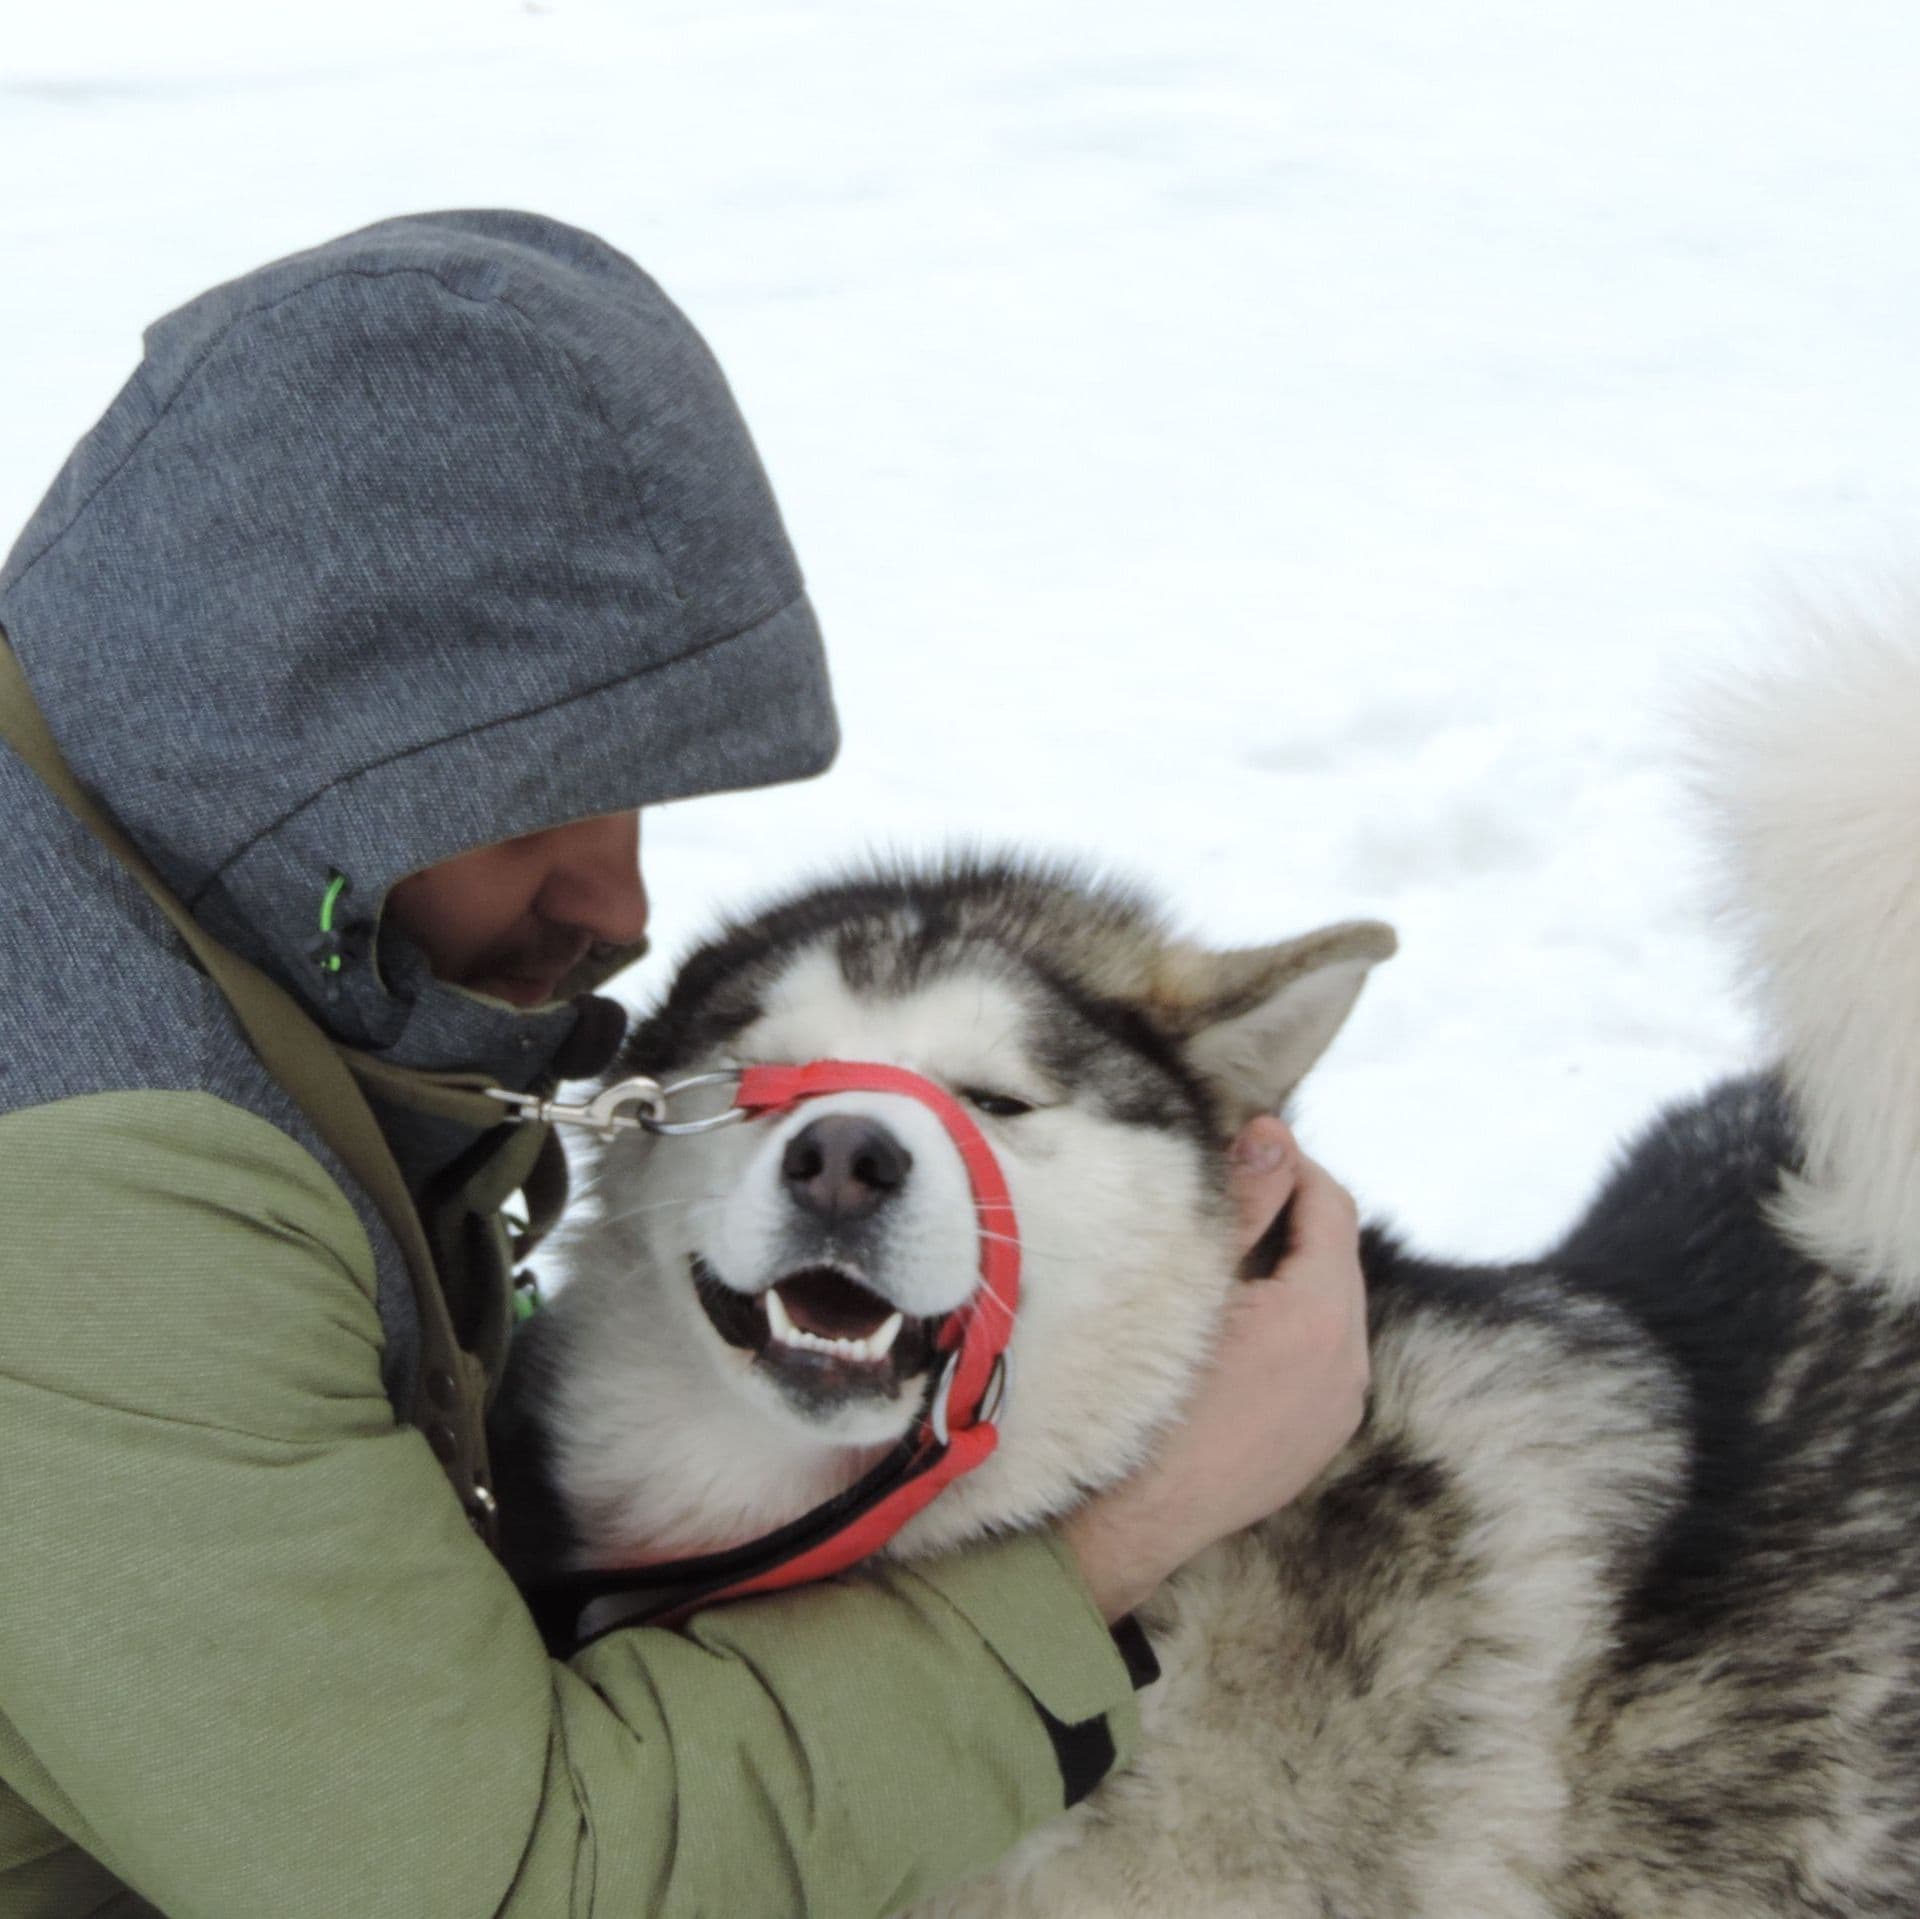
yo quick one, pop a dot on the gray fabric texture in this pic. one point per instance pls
(435, 535)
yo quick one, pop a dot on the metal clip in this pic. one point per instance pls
(627, 1106)
(685, 1128)
(993, 1401)
(606, 1113)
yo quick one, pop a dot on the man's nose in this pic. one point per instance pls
(599, 888)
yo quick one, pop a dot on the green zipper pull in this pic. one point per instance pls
(328, 952)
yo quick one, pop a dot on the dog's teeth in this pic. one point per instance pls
(784, 1329)
(876, 1346)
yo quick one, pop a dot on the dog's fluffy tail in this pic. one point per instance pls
(1812, 771)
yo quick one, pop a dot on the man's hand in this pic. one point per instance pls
(1285, 1392)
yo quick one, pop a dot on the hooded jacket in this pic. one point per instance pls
(436, 535)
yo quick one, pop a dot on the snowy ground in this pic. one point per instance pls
(1293, 453)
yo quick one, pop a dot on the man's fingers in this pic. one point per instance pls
(1325, 1229)
(1323, 1213)
(1263, 1257)
(1264, 1167)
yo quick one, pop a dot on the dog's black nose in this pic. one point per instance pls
(843, 1167)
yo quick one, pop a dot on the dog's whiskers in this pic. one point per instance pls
(660, 1206)
(1026, 1246)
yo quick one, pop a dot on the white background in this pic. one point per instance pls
(1297, 454)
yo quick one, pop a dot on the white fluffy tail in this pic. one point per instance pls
(1812, 768)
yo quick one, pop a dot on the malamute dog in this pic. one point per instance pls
(1611, 1610)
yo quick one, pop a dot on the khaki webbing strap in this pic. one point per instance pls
(464, 1099)
(449, 1405)
(545, 1193)
(460, 1097)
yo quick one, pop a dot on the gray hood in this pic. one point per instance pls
(438, 534)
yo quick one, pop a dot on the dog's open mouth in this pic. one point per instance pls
(820, 1328)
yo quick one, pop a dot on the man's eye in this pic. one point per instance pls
(999, 1105)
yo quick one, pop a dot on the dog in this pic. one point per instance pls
(1611, 1610)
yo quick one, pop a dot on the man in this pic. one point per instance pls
(400, 575)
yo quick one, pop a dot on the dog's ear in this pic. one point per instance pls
(1257, 1018)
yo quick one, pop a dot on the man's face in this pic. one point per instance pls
(513, 920)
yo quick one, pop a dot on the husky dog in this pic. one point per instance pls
(1612, 1608)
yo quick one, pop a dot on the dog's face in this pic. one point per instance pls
(808, 1259)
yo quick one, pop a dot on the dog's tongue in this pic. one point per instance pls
(831, 1306)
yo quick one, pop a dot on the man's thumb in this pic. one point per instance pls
(1264, 1168)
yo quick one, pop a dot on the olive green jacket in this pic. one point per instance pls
(254, 1662)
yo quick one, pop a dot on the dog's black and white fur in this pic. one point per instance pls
(1612, 1610)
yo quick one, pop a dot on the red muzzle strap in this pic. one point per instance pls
(954, 1434)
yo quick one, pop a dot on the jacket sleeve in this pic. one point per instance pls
(252, 1659)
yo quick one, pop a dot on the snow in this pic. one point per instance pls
(1299, 456)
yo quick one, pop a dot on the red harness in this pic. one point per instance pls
(954, 1434)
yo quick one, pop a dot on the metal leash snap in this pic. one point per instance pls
(606, 1113)
(686, 1128)
(627, 1106)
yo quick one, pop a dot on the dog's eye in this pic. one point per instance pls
(999, 1105)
